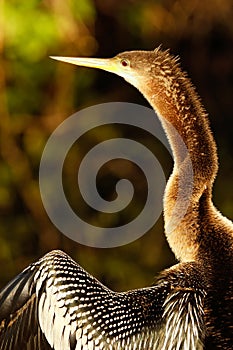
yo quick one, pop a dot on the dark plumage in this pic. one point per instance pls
(190, 307)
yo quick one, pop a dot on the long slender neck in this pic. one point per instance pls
(195, 158)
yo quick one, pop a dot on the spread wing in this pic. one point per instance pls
(55, 304)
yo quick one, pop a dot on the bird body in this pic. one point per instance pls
(190, 306)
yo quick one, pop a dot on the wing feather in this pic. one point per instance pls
(55, 304)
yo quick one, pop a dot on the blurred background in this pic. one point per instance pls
(37, 94)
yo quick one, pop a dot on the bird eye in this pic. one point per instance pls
(124, 63)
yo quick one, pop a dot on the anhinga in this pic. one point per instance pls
(55, 304)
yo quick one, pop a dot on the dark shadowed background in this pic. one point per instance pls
(37, 94)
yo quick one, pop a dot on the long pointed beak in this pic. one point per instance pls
(107, 64)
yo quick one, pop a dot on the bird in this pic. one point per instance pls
(55, 304)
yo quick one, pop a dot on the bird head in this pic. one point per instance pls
(136, 67)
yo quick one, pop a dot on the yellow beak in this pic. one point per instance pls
(107, 64)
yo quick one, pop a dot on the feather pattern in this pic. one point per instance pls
(69, 309)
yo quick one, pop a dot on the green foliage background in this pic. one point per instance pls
(37, 94)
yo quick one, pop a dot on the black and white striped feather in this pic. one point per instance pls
(55, 304)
